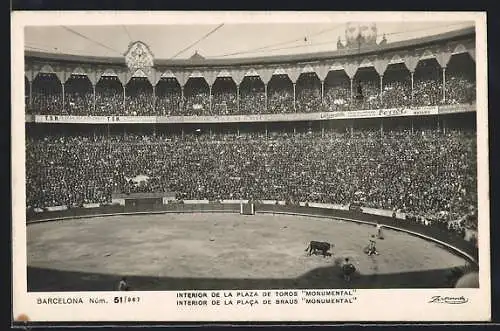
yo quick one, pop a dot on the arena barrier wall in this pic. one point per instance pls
(440, 236)
(129, 209)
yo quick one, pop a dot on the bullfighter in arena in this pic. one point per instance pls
(371, 249)
(348, 269)
(123, 285)
(380, 234)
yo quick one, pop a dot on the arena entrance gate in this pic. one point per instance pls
(247, 208)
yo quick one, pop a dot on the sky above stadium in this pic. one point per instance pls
(219, 39)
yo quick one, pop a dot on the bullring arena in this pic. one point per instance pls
(120, 150)
(187, 251)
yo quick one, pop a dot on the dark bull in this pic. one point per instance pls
(320, 246)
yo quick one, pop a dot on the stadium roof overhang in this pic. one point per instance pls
(199, 62)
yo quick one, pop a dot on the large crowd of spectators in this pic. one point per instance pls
(252, 96)
(422, 172)
(366, 92)
(308, 94)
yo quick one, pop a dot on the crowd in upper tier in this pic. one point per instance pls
(420, 172)
(337, 93)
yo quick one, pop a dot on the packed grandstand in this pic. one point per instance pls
(138, 98)
(428, 170)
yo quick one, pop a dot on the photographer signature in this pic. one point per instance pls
(449, 300)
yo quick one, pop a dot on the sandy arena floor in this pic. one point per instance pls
(224, 251)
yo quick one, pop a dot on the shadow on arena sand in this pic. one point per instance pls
(48, 280)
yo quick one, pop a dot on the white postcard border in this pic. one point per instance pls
(370, 305)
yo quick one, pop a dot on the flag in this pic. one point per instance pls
(139, 180)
